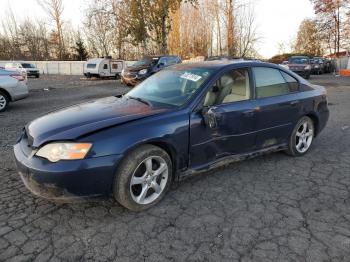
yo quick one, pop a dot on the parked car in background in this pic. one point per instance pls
(23, 67)
(103, 67)
(13, 87)
(183, 120)
(317, 65)
(223, 58)
(328, 66)
(300, 65)
(146, 67)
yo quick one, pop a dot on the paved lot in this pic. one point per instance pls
(271, 208)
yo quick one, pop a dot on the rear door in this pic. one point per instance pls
(277, 98)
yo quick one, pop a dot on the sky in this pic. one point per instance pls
(277, 20)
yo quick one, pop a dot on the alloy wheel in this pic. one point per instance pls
(304, 137)
(149, 180)
(3, 102)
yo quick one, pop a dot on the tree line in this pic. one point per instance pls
(328, 32)
(128, 29)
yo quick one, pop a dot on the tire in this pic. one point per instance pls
(4, 101)
(37, 76)
(140, 168)
(302, 137)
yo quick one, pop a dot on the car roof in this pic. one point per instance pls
(220, 64)
(159, 56)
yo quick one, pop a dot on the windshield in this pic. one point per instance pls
(146, 61)
(25, 65)
(171, 86)
(299, 60)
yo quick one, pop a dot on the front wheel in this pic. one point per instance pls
(302, 137)
(143, 178)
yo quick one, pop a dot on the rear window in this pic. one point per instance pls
(292, 82)
(91, 65)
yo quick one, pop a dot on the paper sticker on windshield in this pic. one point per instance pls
(190, 76)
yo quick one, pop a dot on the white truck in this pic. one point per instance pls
(25, 68)
(103, 67)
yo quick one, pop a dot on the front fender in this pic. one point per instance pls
(169, 130)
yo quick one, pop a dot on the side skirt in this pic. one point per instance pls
(228, 160)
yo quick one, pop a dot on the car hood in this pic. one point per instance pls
(72, 122)
(298, 65)
(137, 68)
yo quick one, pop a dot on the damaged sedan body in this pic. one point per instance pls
(186, 119)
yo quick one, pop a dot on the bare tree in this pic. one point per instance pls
(54, 8)
(231, 48)
(247, 36)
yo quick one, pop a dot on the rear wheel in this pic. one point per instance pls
(4, 101)
(143, 178)
(302, 137)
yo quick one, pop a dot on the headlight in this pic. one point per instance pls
(143, 72)
(316, 66)
(64, 151)
(308, 67)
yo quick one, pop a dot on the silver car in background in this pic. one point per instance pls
(13, 87)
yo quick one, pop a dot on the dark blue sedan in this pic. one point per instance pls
(183, 120)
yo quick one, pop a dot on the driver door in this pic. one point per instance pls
(226, 124)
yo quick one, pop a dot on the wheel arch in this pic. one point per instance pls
(6, 93)
(166, 146)
(315, 119)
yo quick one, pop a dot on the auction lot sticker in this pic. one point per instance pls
(190, 76)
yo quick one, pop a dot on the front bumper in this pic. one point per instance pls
(66, 180)
(33, 73)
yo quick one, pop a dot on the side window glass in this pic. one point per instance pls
(292, 82)
(231, 87)
(269, 82)
(105, 66)
(163, 61)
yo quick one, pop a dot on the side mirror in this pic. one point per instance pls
(215, 89)
(160, 65)
(210, 118)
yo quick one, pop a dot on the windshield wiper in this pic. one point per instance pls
(140, 100)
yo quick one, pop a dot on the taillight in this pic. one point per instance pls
(18, 77)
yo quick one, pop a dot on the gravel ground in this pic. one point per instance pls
(271, 208)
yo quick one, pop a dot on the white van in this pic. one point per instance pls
(103, 67)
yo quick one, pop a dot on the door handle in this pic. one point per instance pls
(294, 103)
(249, 112)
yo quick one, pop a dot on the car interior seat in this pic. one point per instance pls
(240, 89)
